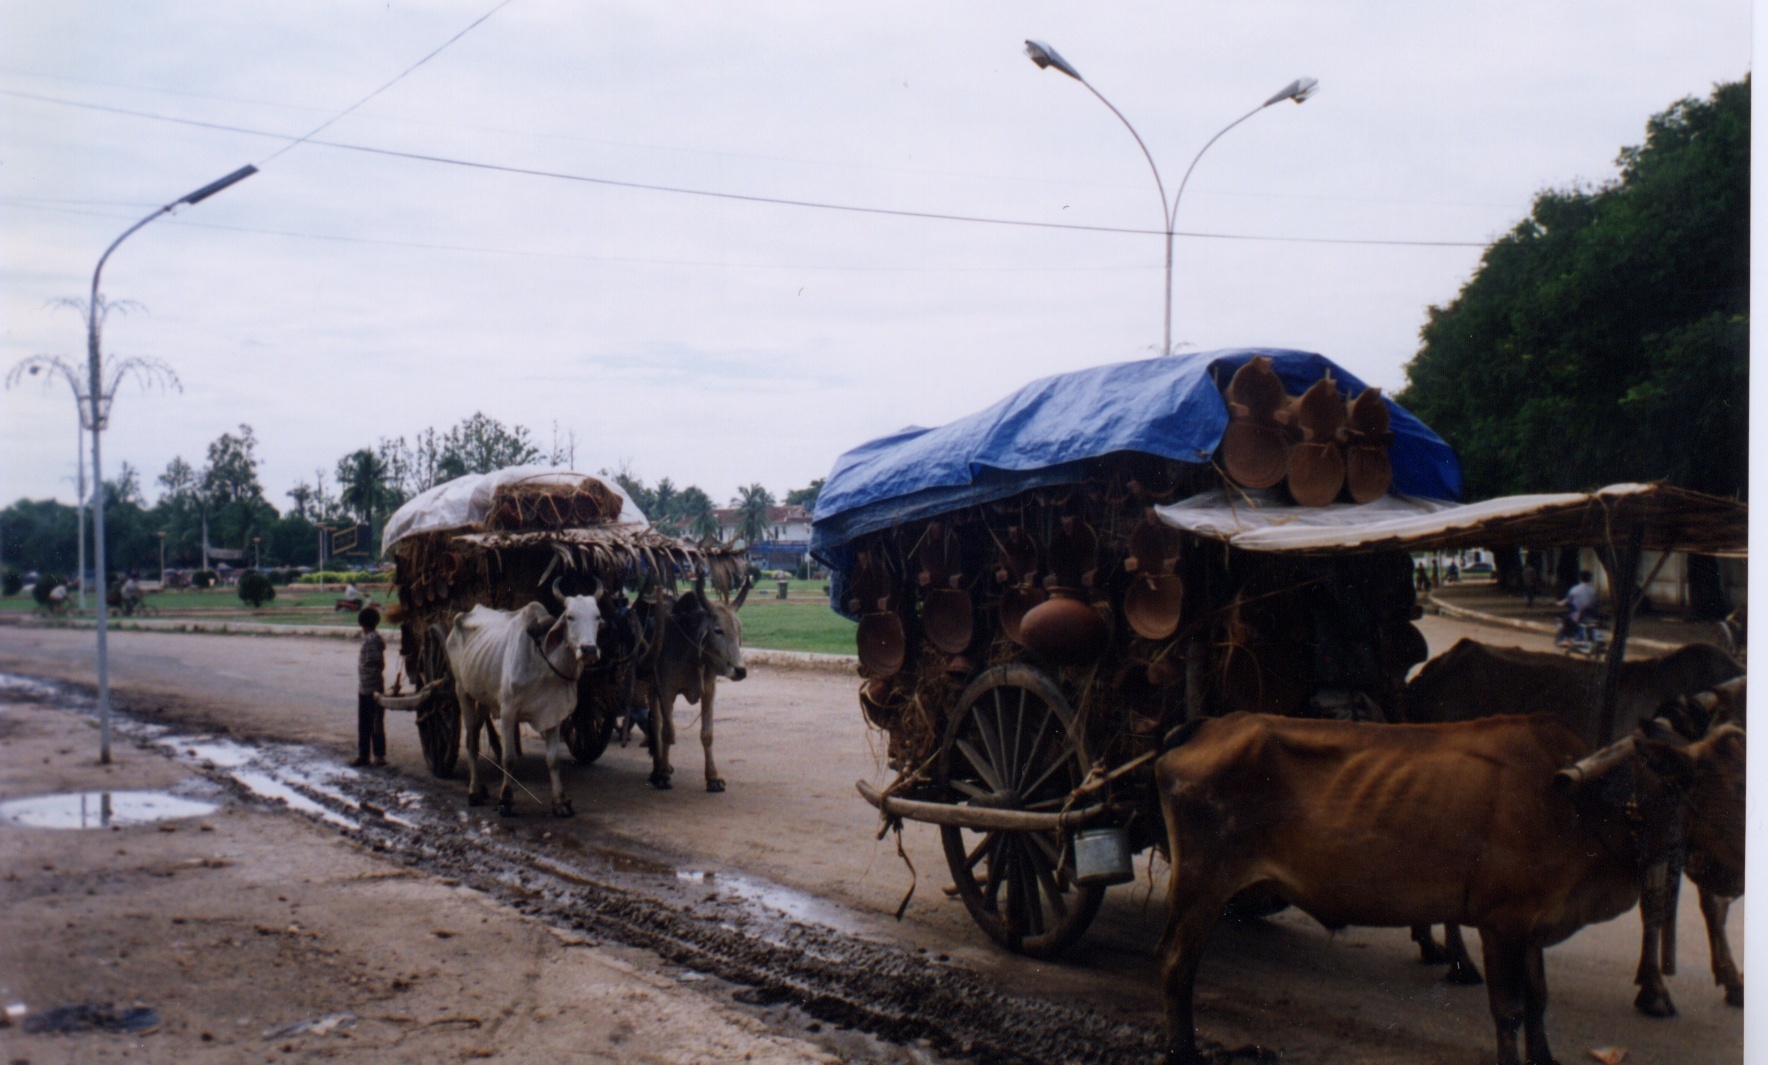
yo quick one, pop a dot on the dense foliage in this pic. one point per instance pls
(255, 589)
(1606, 337)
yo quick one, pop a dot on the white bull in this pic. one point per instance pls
(522, 666)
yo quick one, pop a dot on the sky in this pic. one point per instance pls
(341, 295)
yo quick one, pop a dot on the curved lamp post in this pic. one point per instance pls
(1298, 90)
(100, 409)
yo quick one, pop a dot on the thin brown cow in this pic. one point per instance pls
(1523, 841)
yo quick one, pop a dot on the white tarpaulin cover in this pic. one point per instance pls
(464, 502)
(1266, 521)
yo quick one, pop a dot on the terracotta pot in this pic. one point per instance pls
(1074, 554)
(881, 643)
(872, 703)
(1018, 557)
(1255, 393)
(1064, 629)
(938, 555)
(1316, 473)
(960, 666)
(1153, 547)
(1369, 472)
(1015, 602)
(1166, 673)
(1152, 605)
(1255, 456)
(947, 618)
(1367, 420)
(1320, 412)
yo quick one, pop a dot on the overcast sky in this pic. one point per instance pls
(340, 296)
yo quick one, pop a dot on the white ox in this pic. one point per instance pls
(521, 666)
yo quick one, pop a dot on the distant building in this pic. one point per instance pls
(787, 540)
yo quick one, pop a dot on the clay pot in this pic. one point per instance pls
(872, 696)
(1369, 472)
(1074, 555)
(960, 666)
(1319, 413)
(1255, 394)
(1316, 473)
(1367, 420)
(1018, 558)
(1166, 673)
(1064, 629)
(1153, 546)
(1015, 602)
(947, 618)
(1255, 456)
(938, 555)
(1152, 605)
(881, 643)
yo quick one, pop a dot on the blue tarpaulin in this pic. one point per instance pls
(1042, 434)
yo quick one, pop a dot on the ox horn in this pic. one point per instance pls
(1594, 765)
(598, 588)
(558, 593)
(742, 594)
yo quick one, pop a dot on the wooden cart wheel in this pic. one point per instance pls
(1012, 745)
(590, 726)
(438, 723)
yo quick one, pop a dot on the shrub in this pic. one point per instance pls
(11, 581)
(204, 578)
(255, 588)
(45, 584)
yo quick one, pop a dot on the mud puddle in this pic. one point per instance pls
(795, 958)
(100, 809)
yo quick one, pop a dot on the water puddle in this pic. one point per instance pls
(100, 809)
(796, 905)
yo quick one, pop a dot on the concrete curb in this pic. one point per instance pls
(762, 656)
(1483, 618)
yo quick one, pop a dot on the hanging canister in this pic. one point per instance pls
(1102, 857)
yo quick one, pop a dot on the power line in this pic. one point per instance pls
(38, 205)
(400, 77)
(742, 197)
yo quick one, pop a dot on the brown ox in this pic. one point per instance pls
(1472, 680)
(1714, 858)
(702, 641)
(1335, 816)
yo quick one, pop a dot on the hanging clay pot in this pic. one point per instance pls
(1319, 413)
(1074, 555)
(947, 619)
(1018, 558)
(1166, 673)
(873, 696)
(1064, 629)
(1153, 546)
(881, 643)
(1255, 394)
(938, 555)
(1254, 456)
(1153, 603)
(1368, 467)
(1316, 473)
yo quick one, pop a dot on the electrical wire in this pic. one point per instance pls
(742, 197)
(396, 80)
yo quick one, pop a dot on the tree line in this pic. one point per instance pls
(365, 485)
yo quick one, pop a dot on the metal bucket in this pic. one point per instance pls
(1102, 856)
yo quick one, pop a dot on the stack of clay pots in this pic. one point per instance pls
(1314, 443)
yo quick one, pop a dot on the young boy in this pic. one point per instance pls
(371, 668)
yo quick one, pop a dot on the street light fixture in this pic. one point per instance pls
(1298, 90)
(162, 535)
(147, 371)
(100, 410)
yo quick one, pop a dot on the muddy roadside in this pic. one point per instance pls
(252, 933)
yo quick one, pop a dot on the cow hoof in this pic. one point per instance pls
(563, 809)
(506, 809)
(1654, 1003)
(1734, 996)
(715, 785)
(1464, 974)
(475, 800)
(660, 782)
(1431, 954)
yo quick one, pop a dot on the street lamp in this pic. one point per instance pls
(162, 535)
(257, 553)
(1298, 90)
(148, 372)
(100, 411)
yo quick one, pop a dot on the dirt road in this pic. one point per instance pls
(791, 835)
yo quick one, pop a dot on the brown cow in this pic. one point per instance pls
(1472, 680)
(1334, 815)
(702, 641)
(1713, 861)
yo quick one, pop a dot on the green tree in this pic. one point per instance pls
(481, 444)
(1605, 338)
(362, 485)
(752, 505)
(696, 513)
(806, 496)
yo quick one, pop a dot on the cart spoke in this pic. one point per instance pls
(983, 765)
(1056, 763)
(1049, 848)
(971, 790)
(991, 744)
(983, 849)
(1053, 893)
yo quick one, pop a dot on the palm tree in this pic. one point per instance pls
(362, 484)
(695, 509)
(752, 504)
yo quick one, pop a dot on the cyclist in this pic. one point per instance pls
(1580, 608)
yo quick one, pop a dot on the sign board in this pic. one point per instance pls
(349, 540)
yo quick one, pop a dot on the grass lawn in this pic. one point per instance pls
(803, 622)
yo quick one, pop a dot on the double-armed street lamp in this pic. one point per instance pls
(1298, 90)
(100, 410)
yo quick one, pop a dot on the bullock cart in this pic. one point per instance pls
(525, 535)
(1047, 589)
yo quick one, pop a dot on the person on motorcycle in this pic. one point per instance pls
(131, 595)
(1580, 608)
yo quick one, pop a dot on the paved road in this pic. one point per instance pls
(791, 744)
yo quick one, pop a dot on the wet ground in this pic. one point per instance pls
(777, 894)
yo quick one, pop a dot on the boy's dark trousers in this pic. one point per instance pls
(370, 726)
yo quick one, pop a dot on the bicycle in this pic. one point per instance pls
(1587, 637)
